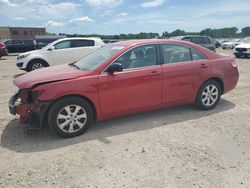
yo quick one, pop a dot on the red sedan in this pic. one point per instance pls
(122, 78)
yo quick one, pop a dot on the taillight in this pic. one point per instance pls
(2, 45)
(233, 63)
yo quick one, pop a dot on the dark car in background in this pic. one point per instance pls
(3, 50)
(204, 41)
(40, 43)
(20, 45)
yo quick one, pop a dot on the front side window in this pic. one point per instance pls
(173, 53)
(82, 43)
(138, 57)
(63, 45)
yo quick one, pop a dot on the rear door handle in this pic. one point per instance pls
(203, 65)
(154, 73)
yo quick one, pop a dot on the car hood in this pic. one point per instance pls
(31, 52)
(243, 46)
(227, 43)
(49, 74)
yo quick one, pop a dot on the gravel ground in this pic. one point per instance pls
(175, 147)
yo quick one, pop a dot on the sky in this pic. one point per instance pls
(124, 16)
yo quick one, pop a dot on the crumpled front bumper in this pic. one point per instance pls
(31, 113)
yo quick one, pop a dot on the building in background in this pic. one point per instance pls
(21, 33)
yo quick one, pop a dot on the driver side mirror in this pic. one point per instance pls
(51, 48)
(115, 67)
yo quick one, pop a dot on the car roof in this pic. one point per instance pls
(79, 38)
(131, 43)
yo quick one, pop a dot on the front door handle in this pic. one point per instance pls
(203, 65)
(154, 73)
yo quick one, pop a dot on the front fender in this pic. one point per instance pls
(85, 87)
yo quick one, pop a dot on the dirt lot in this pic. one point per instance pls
(176, 147)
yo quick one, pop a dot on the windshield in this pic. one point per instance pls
(99, 56)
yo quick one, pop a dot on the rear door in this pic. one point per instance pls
(81, 48)
(183, 70)
(137, 87)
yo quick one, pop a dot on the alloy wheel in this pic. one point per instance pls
(71, 118)
(37, 66)
(209, 95)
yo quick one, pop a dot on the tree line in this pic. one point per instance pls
(229, 32)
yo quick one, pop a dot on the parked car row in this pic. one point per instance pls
(15, 46)
(116, 79)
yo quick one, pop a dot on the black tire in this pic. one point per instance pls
(36, 64)
(237, 56)
(201, 96)
(59, 107)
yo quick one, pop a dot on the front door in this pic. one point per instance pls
(137, 87)
(61, 54)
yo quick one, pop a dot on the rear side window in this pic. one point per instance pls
(173, 53)
(82, 43)
(197, 40)
(206, 40)
(196, 55)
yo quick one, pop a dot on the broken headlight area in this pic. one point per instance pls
(25, 103)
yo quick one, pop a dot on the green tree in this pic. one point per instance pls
(245, 31)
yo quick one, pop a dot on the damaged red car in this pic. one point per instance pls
(122, 78)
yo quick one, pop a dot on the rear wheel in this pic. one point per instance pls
(208, 95)
(70, 116)
(37, 64)
(237, 56)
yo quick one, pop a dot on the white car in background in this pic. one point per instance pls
(243, 49)
(61, 51)
(230, 44)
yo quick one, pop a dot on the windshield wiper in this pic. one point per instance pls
(73, 65)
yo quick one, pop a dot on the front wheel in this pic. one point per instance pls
(70, 116)
(208, 95)
(37, 64)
